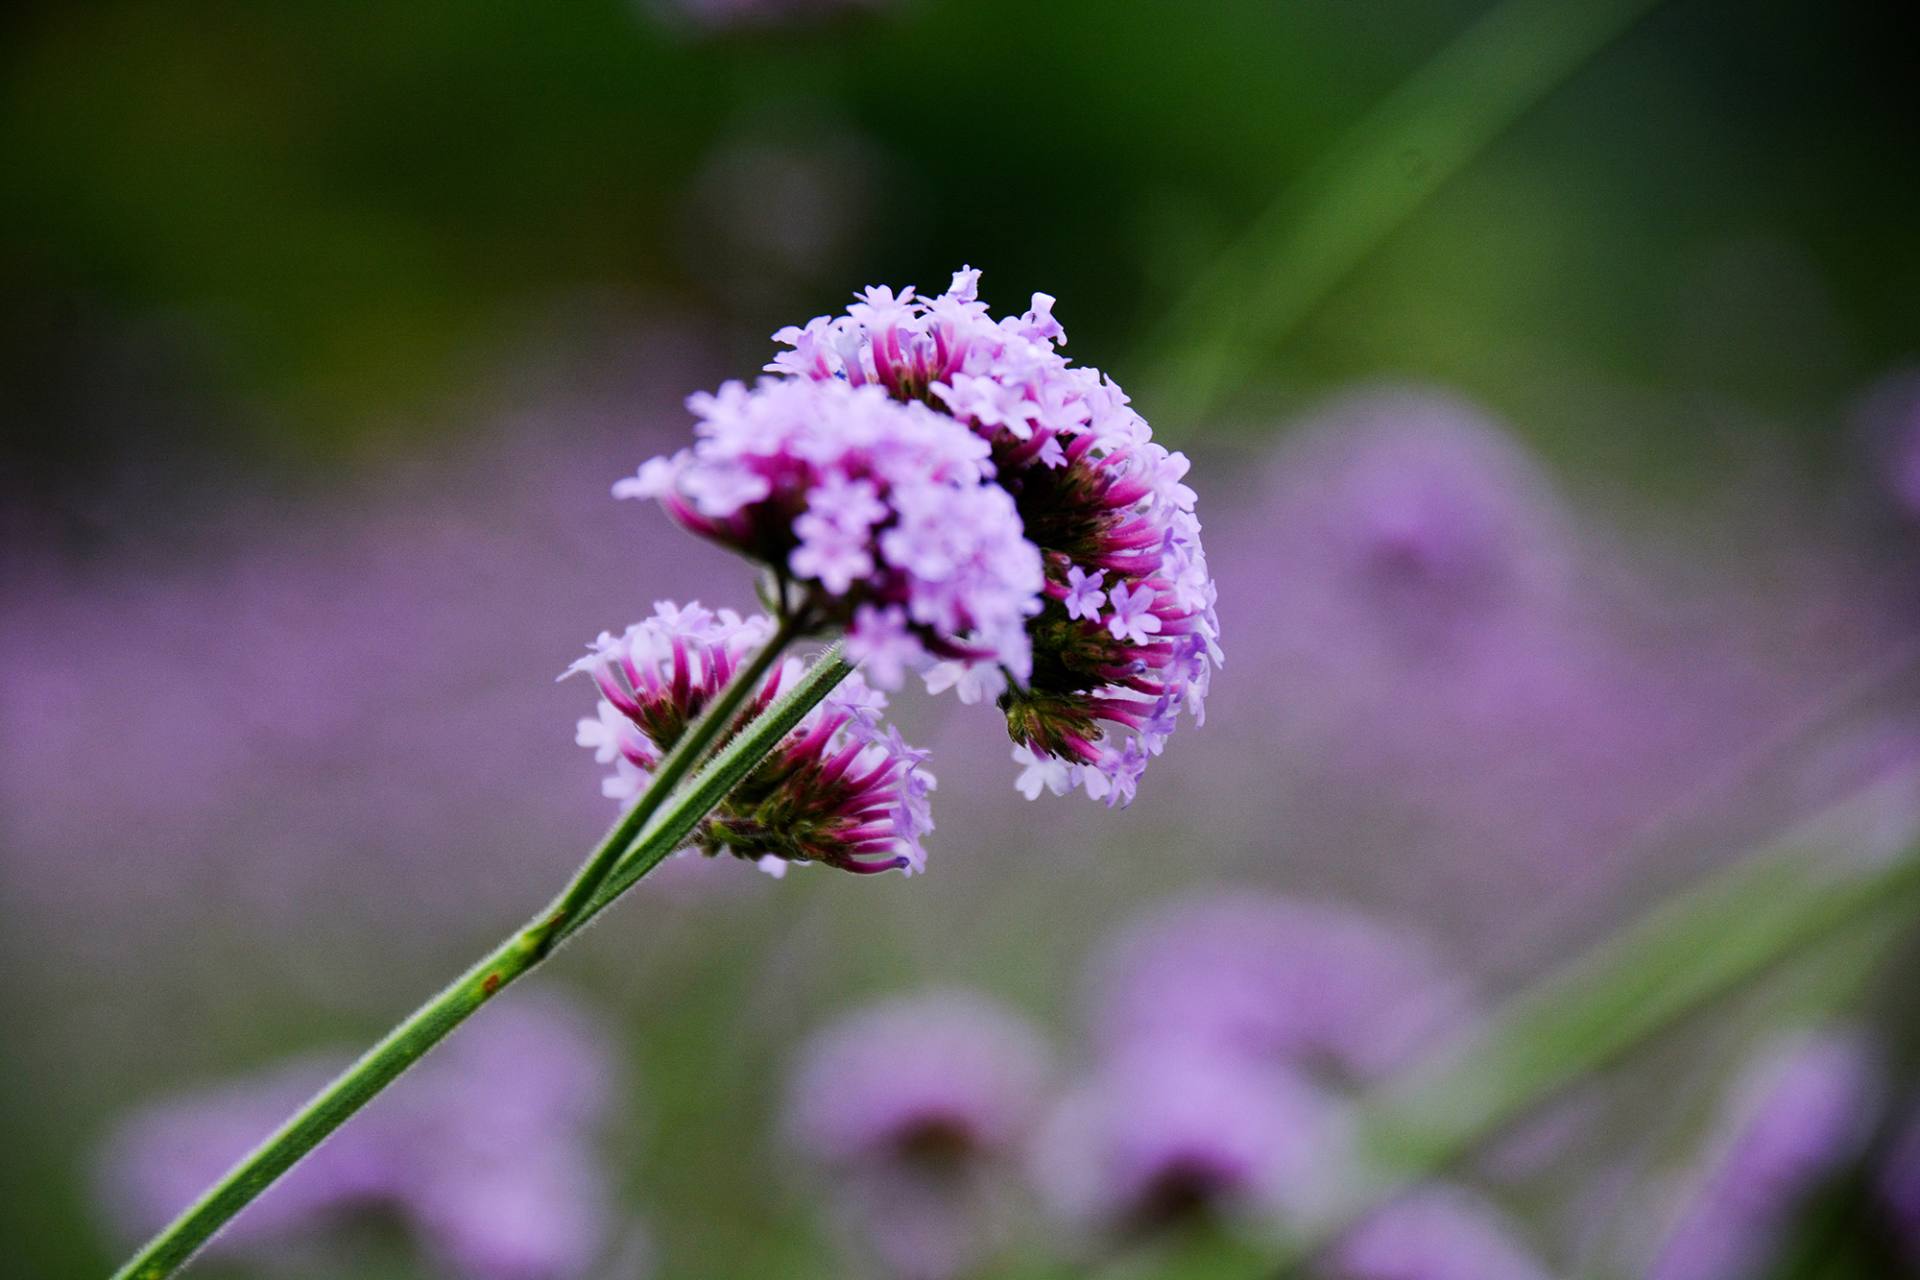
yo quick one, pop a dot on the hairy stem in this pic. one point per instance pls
(602, 879)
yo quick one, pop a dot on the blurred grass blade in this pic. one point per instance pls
(1382, 170)
(1680, 957)
(1817, 990)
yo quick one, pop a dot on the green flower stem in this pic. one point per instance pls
(167, 1252)
(729, 766)
(678, 762)
(1684, 954)
(607, 875)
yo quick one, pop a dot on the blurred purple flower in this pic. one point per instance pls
(1899, 1183)
(1432, 639)
(487, 1151)
(1888, 417)
(1167, 1133)
(1442, 672)
(939, 1072)
(1417, 521)
(1795, 1117)
(1278, 979)
(1437, 1232)
(917, 1106)
(161, 1157)
(1473, 703)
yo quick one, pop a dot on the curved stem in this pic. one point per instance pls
(606, 875)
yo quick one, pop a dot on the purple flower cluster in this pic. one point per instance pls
(1128, 635)
(841, 790)
(882, 510)
(486, 1153)
(1277, 979)
(966, 502)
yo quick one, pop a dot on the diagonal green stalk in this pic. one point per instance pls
(1681, 956)
(702, 734)
(1372, 180)
(1832, 978)
(609, 874)
(725, 771)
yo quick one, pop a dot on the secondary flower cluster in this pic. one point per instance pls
(969, 504)
(840, 790)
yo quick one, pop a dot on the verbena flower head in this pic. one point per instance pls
(841, 789)
(882, 512)
(963, 501)
(1127, 636)
(1168, 1134)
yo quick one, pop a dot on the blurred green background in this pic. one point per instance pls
(325, 222)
